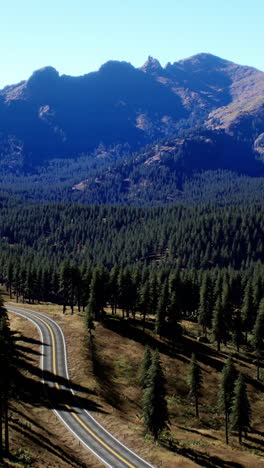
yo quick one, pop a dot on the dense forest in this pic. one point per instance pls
(193, 166)
(141, 259)
(175, 236)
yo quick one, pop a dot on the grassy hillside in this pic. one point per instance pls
(105, 374)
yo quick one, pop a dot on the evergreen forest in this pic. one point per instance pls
(155, 268)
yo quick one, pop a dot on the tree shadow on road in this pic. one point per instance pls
(55, 392)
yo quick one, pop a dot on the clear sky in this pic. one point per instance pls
(77, 36)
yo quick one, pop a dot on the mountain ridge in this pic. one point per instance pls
(108, 115)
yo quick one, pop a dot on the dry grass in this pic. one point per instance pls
(107, 372)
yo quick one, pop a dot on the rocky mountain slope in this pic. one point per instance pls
(51, 116)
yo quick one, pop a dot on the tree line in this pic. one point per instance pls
(177, 236)
(227, 302)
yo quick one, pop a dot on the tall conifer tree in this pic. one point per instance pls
(204, 316)
(144, 368)
(218, 325)
(237, 334)
(226, 391)
(195, 383)
(258, 335)
(89, 319)
(155, 412)
(161, 309)
(247, 309)
(241, 412)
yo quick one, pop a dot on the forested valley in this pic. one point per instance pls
(149, 270)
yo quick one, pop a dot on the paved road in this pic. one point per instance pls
(79, 421)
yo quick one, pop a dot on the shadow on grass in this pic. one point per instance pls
(25, 339)
(194, 431)
(182, 349)
(250, 438)
(41, 440)
(103, 372)
(201, 458)
(129, 329)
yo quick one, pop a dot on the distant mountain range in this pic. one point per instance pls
(126, 135)
(51, 116)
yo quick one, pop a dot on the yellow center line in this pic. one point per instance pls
(98, 438)
(69, 407)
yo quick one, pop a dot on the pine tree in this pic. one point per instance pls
(204, 317)
(89, 319)
(258, 335)
(144, 368)
(195, 383)
(113, 288)
(76, 287)
(145, 304)
(10, 278)
(237, 334)
(218, 325)
(155, 410)
(257, 291)
(174, 329)
(97, 296)
(17, 280)
(241, 411)
(247, 309)
(226, 310)
(85, 286)
(226, 391)
(125, 286)
(173, 307)
(218, 286)
(161, 309)
(65, 284)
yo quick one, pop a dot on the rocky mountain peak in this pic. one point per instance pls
(152, 66)
(116, 66)
(200, 62)
(43, 78)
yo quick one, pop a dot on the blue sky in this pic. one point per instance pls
(77, 36)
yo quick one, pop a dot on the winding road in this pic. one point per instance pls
(79, 421)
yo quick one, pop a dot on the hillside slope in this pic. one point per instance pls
(108, 377)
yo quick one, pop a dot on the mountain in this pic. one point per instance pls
(204, 164)
(209, 82)
(190, 131)
(230, 95)
(50, 116)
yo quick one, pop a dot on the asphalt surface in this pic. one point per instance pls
(78, 420)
